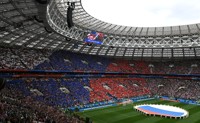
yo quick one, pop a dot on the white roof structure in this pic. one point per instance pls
(28, 24)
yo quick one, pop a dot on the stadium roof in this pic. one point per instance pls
(29, 24)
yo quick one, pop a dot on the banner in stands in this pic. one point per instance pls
(103, 106)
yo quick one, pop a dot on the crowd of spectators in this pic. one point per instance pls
(28, 100)
(65, 93)
(16, 107)
(22, 58)
(155, 67)
(117, 88)
(64, 60)
(8, 60)
(31, 58)
(176, 88)
(60, 93)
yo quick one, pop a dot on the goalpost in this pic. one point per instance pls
(126, 102)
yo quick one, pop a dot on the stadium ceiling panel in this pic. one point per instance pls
(28, 24)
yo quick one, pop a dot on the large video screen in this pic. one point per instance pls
(94, 37)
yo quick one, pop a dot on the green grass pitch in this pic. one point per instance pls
(126, 114)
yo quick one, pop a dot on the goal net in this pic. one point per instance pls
(126, 102)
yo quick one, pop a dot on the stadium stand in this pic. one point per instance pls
(175, 88)
(16, 106)
(58, 94)
(117, 88)
(64, 60)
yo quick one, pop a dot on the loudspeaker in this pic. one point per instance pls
(2, 29)
(17, 25)
(69, 17)
(2, 83)
(37, 19)
(42, 1)
(68, 39)
(47, 30)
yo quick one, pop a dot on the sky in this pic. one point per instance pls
(144, 13)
